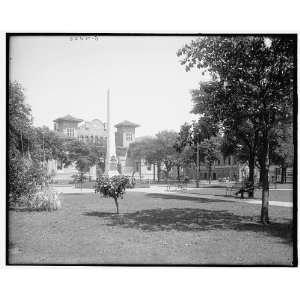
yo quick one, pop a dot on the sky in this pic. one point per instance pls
(63, 75)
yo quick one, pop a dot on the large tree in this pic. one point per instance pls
(252, 80)
(166, 141)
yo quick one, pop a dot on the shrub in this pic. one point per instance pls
(45, 199)
(25, 178)
(113, 187)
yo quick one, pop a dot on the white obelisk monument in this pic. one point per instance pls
(111, 163)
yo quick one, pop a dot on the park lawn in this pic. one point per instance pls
(151, 229)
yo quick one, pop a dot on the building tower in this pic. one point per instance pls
(125, 134)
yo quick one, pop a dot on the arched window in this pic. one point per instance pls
(86, 138)
(92, 139)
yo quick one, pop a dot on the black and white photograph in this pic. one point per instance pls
(140, 149)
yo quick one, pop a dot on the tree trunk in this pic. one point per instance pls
(178, 173)
(198, 167)
(209, 174)
(265, 182)
(168, 170)
(251, 174)
(117, 204)
(140, 170)
(154, 172)
(158, 172)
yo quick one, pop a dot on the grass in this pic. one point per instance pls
(151, 229)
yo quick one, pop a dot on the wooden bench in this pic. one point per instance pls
(235, 187)
(182, 186)
(240, 188)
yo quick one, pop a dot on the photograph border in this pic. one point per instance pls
(295, 139)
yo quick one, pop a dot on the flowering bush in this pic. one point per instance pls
(113, 187)
(46, 199)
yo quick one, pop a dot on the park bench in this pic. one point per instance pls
(178, 186)
(240, 188)
(182, 186)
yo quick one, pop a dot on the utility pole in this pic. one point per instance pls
(198, 167)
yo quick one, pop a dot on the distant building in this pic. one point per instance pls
(95, 132)
(92, 132)
(224, 168)
(67, 125)
(125, 135)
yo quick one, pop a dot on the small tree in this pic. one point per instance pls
(113, 187)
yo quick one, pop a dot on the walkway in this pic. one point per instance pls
(155, 189)
(162, 190)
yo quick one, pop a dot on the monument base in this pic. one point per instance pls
(112, 168)
(112, 173)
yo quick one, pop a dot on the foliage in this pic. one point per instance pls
(243, 142)
(47, 144)
(45, 199)
(85, 155)
(283, 147)
(83, 164)
(113, 187)
(27, 145)
(252, 80)
(138, 151)
(191, 135)
(25, 177)
(19, 119)
(166, 141)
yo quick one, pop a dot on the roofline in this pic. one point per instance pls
(65, 119)
(131, 125)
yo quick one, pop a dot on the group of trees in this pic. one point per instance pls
(156, 151)
(244, 110)
(250, 97)
(31, 147)
(25, 170)
(196, 143)
(201, 142)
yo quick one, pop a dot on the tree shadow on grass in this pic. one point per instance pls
(184, 197)
(192, 219)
